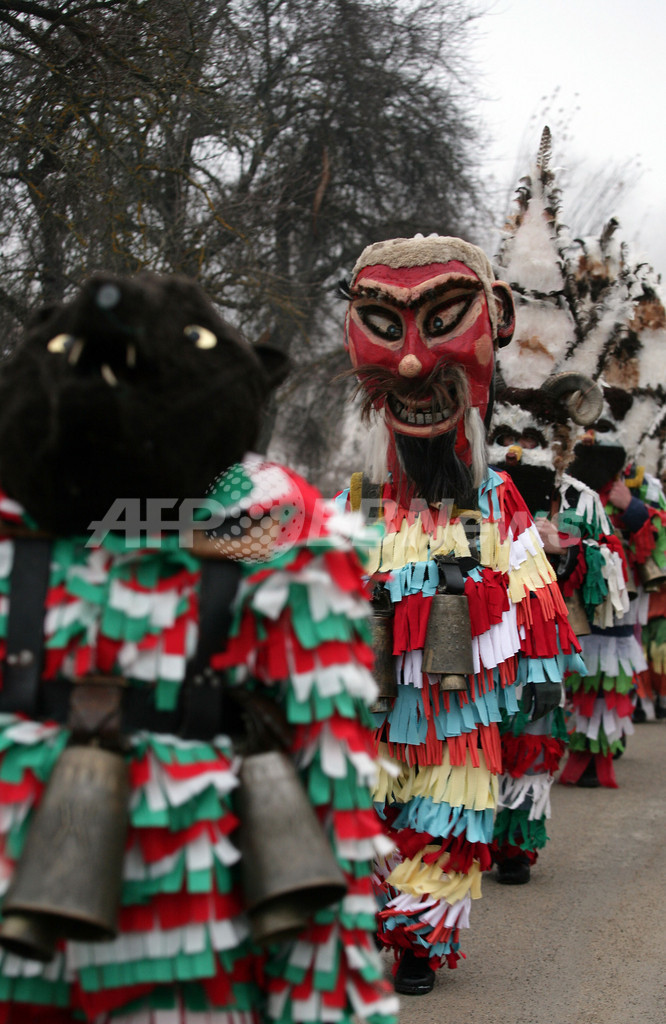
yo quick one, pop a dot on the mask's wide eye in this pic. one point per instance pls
(504, 436)
(61, 343)
(381, 321)
(202, 337)
(447, 315)
(532, 439)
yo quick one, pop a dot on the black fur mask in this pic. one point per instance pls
(135, 388)
(535, 483)
(597, 464)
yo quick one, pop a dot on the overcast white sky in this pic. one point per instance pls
(607, 59)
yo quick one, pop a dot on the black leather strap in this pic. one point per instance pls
(203, 692)
(29, 583)
(138, 708)
(371, 496)
(451, 579)
(200, 715)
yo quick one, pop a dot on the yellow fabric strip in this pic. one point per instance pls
(412, 544)
(355, 491)
(456, 785)
(387, 781)
(494, 552)
(450, 538)
(417, 879)
(386, 560)
(372, 559)
(401, 545)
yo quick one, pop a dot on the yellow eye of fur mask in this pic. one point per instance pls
(200, 336)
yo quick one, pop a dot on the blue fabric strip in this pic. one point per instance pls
(441, 819)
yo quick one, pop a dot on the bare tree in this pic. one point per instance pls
(254, 144)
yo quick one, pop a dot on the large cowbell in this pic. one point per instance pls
(67, 883)
(448, 644)
(288, 867)
(382, 648)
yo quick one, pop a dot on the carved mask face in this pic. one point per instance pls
(423, 340)
(526, 449)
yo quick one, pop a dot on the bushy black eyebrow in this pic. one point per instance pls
(378, 293)
(367, 292)
(463, 283)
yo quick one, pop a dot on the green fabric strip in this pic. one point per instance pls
(622, 683)
(344, 794)
(579, 742)
(182, 967)
(34, 990)
(206, 806)
(39, 758)
(515, 828)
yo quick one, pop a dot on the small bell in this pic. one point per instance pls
(448, 644)
(651, 576)
(382, 646)
(578, 619)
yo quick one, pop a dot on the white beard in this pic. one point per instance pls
(475, 432)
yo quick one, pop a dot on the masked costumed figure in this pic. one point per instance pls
(603, 702)
(638, 502)
(545, 395)
(185, 757)
(622, 334)
(470, 621)
(532, 439)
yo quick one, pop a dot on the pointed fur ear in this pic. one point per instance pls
(506, 313)
(276, 364)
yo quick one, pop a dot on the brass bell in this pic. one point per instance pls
(578, 619)
(651, 576)
(448, 644)
(452, 681)
(288, 867)
(68, 880)
(381, 625)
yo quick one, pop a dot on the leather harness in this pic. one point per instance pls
(105, 707)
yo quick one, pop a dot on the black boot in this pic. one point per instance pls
(414, 976)
(515, 871)
(589, 779)
(639, 715)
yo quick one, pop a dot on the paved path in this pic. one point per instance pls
(585, 941)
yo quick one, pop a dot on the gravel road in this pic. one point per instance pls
(585, 941)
